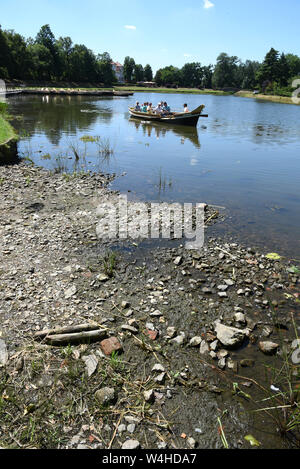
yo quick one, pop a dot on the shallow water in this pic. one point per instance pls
(244, 156)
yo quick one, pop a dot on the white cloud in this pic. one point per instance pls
(208, 4)
(127, 26)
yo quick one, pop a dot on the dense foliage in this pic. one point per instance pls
(46, 58)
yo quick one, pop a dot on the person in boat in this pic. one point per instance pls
(144, 108)
(185, 108)
(137, 107)
(166, 109)
(149, 107)
(158, 110)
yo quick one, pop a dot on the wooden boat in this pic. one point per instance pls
(180, 118)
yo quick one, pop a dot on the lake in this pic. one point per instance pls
(244, 157)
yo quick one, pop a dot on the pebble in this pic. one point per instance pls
(131, 444)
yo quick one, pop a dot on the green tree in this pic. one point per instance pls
(294, 64)
(192, 75)
(83, 64)
(129, 65)
(226, 71)
(138, 73)
(64, 47)
(106, 73)
(269, 70)
(148, 74)
(207, 71)
(42, 65)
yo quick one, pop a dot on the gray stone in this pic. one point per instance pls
(105, 395)
(269, 348)
(131, 444)
(230, 336)
(3, 353)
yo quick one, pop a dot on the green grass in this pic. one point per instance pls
(171, 90)
(6, 131)
(266, 97)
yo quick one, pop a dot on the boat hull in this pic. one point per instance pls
(188, 119)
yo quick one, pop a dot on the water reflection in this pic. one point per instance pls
(159, 130)
(58, 115)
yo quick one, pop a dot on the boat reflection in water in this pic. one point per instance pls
(160, 130)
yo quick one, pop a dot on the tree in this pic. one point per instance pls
(46, 38)
(83, 64)
(42, 64)
(283, 70)
(138, 73)
(168, 76)
(65, 46)
(106, 73)
(226, 71)
(129, 65)
(5, 62)
(207, 71)
(294, 64)
(269, 70)
(247, 74)
(192, 75)
(148, 74)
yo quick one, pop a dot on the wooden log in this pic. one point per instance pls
(79, 338)
(66, 330)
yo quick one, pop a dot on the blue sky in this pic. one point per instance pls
(163, 32)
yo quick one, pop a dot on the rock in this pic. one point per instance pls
(240, 317)
(158, 367)
(232, 365)
(126, 327)
(222, 363)
(179, 340)
(3, 353)
(122, 428)
(230, 336)
(131, 428)
(195, 341)
(191, 442)
(214, 345)
(70, 292)
(91, 363)
(149, 395)
(266, 331)
(105, 395)
(178, 260)
(160, 378)
(102, 277)
(131, 444)
(171, 332)
(108, 346)
(269, 348)
(125, 305)
(204, 347)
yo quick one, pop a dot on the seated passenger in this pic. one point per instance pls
(166, 108)
(149, 107)
(158, 109)
(137, 106)
(144, 108)
(185, 108)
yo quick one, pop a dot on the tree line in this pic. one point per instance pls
(274, 75)
(45, 58)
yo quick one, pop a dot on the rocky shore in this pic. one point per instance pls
(190, 340)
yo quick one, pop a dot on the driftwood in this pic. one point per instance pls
(66, 330)
(80, 337)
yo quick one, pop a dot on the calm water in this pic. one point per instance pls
(244, 157)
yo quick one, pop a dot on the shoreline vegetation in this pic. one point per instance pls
(129, 90)
(6, 131)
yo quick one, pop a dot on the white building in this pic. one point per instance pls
(119, 71)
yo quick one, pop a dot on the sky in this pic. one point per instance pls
(163, 32)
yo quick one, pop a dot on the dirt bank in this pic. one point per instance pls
(177, 383)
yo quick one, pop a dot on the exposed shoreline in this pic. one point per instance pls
(161, 306)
